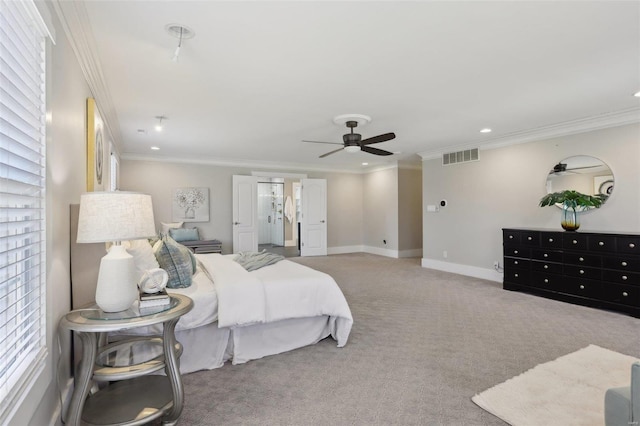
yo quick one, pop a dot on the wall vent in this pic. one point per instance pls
(460, 157)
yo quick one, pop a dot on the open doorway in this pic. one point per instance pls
(277, 216)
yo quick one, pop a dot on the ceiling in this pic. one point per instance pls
(259, 77)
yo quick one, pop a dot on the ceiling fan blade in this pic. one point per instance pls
(330, 143)
(378, 139)
(333, 152)
(375, 151)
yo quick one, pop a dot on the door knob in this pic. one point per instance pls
(236, 223)
(322, 221)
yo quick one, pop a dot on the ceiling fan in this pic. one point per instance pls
(561, 168)
(353, 142)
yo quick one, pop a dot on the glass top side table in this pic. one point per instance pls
(137, 398)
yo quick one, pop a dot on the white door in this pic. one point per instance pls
(245, 213)
(314, 218)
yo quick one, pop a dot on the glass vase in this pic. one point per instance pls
(570, 219)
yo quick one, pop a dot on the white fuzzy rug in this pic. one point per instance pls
(567, 391)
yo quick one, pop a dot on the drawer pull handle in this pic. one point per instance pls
(581, 287)
(624, 278)
(581, 271)
(574, 242)
(546, 266)
(624, 263)
(529, 238)
(625, 294)
(600, 243)
(515, 252)
(511, 237)
(515, 262)
(550, 240)
(581, 259)
(546, 280)
(545, 255)
(631, 245)
(516, 275)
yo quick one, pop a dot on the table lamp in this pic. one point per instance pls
(115, 217)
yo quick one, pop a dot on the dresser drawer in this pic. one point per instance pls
(530, 238)
(582, 259)
(546, 255)
(582, 272)
(602, 243)
(582, 287)
(622, 262)
(550, 267)
(517, 252)
(574, 241)
(629, 278)
(623, 294)
(551, 239)
(628, 244)
(517, 263)
(516, 276)
(546, 281)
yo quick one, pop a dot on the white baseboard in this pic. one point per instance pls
(290, 243)
(456, 268)
(345, 249)
(375, 250)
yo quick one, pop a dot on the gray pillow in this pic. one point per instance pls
(176, 259)
(184, 234)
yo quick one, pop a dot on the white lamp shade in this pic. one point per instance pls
(115, 216)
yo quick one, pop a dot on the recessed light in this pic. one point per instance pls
(155, 148)
(365, 164)
(159, 126)
(637, 94)
(485, 130)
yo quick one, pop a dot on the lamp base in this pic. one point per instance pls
(117, 288)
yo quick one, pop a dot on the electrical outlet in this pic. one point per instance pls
(445, 254)
(384, 241)
(496, 264)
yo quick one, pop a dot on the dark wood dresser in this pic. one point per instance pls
(601, 270)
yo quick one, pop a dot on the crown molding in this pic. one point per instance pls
(293, 167)
(75, 22)
(588, 124)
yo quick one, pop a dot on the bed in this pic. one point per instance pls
(238, 315)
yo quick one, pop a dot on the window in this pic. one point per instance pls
(22, 200)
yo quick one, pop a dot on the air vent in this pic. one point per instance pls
(460, 157)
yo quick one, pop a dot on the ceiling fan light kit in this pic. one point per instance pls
(353, 142)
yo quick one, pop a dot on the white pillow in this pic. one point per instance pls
(143, 256)
(170, 225)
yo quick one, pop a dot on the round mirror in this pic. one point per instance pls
(582, 173)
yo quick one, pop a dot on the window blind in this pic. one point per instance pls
(22, 201)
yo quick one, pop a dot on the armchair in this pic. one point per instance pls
(622, 405)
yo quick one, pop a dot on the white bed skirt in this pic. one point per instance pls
(208, 347)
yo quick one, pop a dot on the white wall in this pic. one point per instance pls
(380, 201)
(503, 190)
(344, 207)
(409, 210)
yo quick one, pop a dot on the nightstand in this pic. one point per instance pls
(203, 246)
(136, 397)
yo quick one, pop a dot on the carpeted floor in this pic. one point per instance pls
(423, 343)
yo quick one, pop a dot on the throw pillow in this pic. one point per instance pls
(184, 234)
(170, 225)
(176, 259)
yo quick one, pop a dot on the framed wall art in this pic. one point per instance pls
(190, 205)
(96, 148)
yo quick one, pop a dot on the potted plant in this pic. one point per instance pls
(572, 202)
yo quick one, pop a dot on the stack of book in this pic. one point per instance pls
(203, 246)
(148, 300)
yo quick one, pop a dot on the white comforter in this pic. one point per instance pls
(276, 292)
